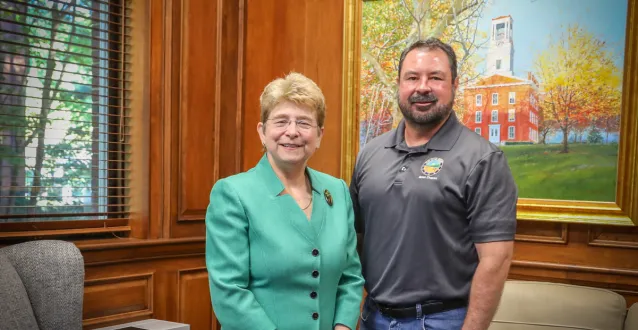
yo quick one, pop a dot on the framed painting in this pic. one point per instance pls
(553, 83)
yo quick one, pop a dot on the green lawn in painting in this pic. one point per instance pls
(587, 172)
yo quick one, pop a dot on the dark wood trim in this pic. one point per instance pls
(114, 251)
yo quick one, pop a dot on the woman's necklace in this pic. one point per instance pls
(310, 202)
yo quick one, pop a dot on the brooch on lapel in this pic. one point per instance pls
(328, 197)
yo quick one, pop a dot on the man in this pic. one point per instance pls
(436, 205)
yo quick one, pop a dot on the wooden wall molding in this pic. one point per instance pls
(128, 250)
(197, 118)
(621, 281)
(542, 232)
(195, 110)
(613, 237)
(574, 268)
(134, 294)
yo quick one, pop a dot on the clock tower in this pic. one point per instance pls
(500, 55)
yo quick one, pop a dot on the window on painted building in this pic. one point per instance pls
(494, 98)
(511, 115)
(478, 117)
(500, 31)
(510, 132)
(479, 99)
(512, 97)
(498, 64)
(530, 134)
(494, 116)
(477, 130)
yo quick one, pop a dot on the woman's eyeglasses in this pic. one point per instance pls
(282, 123)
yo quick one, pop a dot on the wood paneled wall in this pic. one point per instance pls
(208, 63)
(194, 53)
(305, 36)
(590, 255)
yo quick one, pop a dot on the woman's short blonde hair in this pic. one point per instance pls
(295, 88)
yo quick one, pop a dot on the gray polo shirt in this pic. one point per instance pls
(421, 210)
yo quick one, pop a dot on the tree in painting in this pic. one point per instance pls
(389, 27)
(581, 84)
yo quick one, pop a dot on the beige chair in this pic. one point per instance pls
(527, 305)
(631, 322)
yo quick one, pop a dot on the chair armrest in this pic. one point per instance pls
(631, 322)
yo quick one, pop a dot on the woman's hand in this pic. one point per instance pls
(341, 327)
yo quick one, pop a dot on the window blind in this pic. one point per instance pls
(64, 110)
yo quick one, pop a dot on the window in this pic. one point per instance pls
(494, 116)
(477, 130)
(478, 117)
(498, 64)
(512, 98)
(531, 134)
(64, 116)
(511, 115)
(510, 133)
(500, 31)
(479, 99)
(494, 98)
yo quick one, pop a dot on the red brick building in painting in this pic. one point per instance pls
(500, 106)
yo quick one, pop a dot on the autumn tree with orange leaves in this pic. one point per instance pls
(581, 83)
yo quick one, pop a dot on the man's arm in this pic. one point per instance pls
(487, 285)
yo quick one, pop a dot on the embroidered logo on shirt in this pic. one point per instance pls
(431, 167)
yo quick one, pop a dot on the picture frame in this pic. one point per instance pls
(622, 212)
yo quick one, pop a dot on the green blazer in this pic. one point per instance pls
(269, 267)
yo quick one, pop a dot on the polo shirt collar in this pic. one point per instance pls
(443, 139)
(275, 186)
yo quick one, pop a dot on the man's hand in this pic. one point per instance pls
(487, 285)
(341, 327)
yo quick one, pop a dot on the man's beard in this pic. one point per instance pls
(429, 115)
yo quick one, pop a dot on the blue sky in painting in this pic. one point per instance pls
(536, 20)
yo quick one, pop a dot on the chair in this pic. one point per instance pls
(42, 286)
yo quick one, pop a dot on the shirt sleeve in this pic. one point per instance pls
(491, 200)
(227, 261)
(350, 288)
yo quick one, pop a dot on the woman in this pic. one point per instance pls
(280, 242)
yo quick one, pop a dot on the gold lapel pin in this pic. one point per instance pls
(328, 197)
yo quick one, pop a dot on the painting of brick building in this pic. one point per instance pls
(502, 107)
(540, 79)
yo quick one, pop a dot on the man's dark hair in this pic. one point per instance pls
(431, 44)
